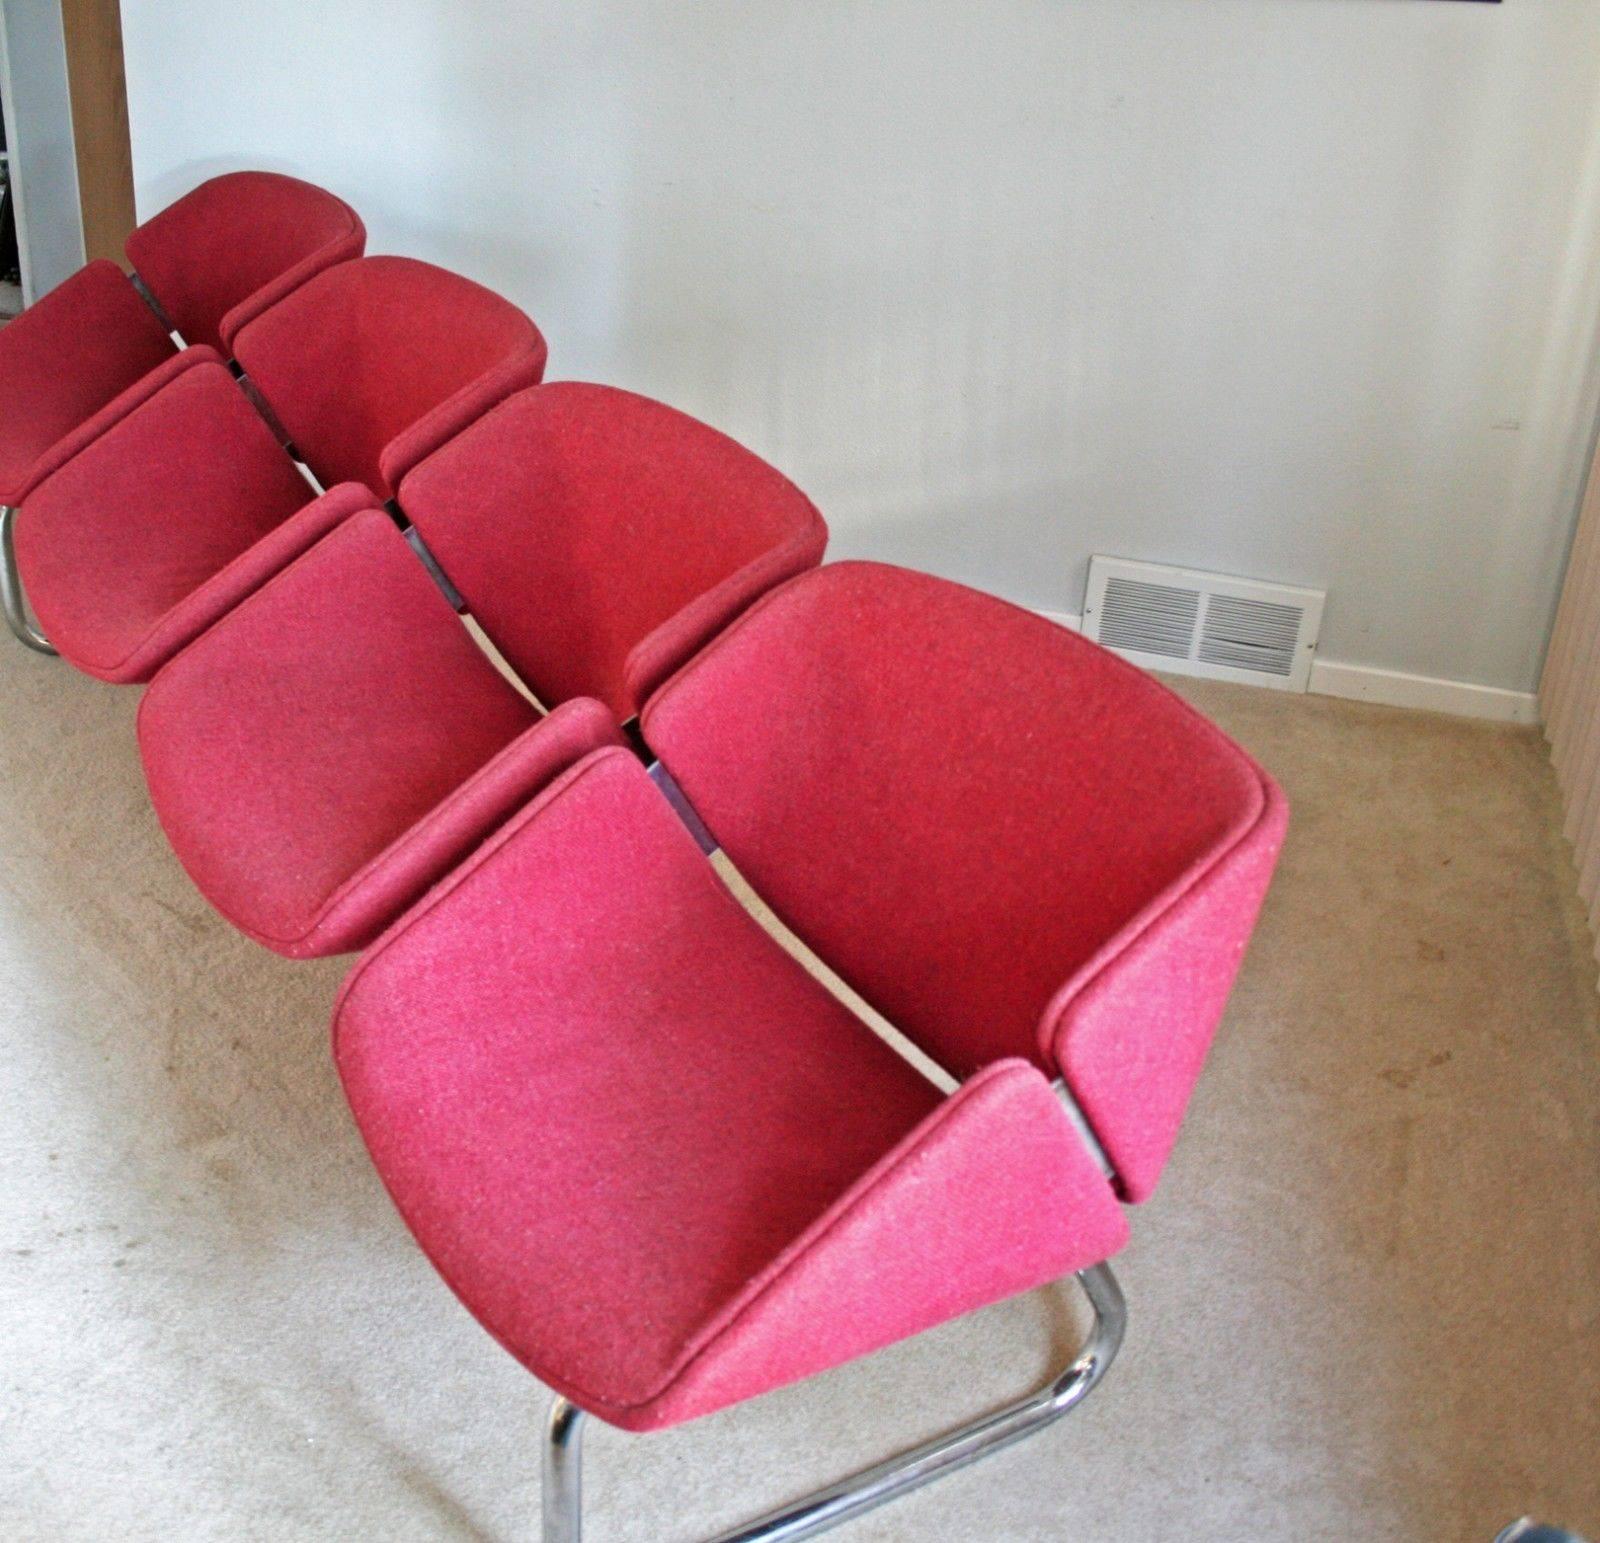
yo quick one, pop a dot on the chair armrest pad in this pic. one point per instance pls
(991, 1195)
(403, 873)
(1131, 1029)
(657, 657)
(120, 407)
(65, 357)
(341, 250)
(466, 406)
(247, 573)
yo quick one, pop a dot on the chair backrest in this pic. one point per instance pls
(221, 254)
(376, 361)
(972, 814)
(600, 537)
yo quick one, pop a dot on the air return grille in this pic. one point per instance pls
(1210, 624)
(1149, 618)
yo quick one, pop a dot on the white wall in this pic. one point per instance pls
(43, 162)
(1305, 289)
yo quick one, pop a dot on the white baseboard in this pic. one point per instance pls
(1395, 688)
(1064, 619)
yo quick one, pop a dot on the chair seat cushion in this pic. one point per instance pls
(146, 513)
(64, 358)
(292, 745)
(651, 1153)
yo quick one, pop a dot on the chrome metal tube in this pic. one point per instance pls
(871, 1487)
(11, 587)
(884, 1481)
(681, 807)
(563, 1473)
(1530, 1531)
(1086, 1132)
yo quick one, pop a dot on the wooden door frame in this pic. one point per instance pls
(65, 96)
(92, 34)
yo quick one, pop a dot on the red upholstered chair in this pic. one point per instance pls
(336, 744)
(210, 262)
(131, 551)
(663, 1166)
(600, 538)
(377, 362)
(180, 477)
(309, 731)
(1008, 840)
(219, 256)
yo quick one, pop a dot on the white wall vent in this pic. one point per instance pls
(1192, 623)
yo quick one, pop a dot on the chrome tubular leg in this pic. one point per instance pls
(11, 587)
(873, 1486)
(563, 1473)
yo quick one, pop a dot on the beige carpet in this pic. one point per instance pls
(1366, 1303)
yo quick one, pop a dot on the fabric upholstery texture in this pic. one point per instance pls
(337, 743)
(655, 1157)
(208, 604)
(379, 346)
(170, 492)
(221, 254)
(968, 807)
(126, 402)
(1131, 1029)
(63, 359)
(600, 537)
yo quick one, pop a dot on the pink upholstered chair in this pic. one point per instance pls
(338, 742)
(604, 537)
(669, 1171)
(151, 521)
(203, 267)
(376, 363)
